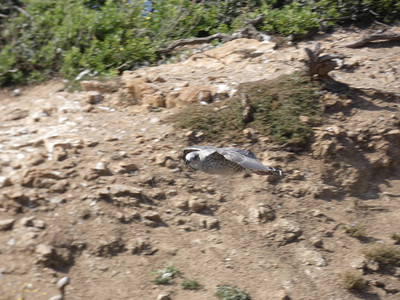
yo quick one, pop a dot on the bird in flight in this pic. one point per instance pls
(225, 161)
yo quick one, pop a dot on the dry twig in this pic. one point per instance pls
(374, 37)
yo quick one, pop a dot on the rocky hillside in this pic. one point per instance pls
(92, 186)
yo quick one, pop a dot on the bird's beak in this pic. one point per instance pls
(186, 162)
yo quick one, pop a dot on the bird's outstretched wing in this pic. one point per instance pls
(197, 148)
(247, 160)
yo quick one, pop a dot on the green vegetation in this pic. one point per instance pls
(396, 237)
(164, 276)
(40, 39)
(355, 229)
(278, 104)
(353, 280)
(227, 292)
(188, 284)
(384, 255)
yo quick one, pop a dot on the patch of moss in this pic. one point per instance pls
(278, 105)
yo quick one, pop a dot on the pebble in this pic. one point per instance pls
(6, 224)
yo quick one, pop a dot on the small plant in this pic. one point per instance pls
(164, 276)
(355, 229)
(383, 254)
(396, 237)
(227, 292)
(353, 280)
(188, 284)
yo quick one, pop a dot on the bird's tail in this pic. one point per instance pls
(270, 171)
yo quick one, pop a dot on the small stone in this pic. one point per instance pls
(287, 231)
(27, 221)
(44, 250)
(36, 158)
(93, 97)
(261, 214)
(152, 216)
(163, 297)
(6, 224)
(126, 168)
(101, 168)
(4, 181)
(394, 133)
(39, 224)
(63, 282)
(316, 241)
(197, 205)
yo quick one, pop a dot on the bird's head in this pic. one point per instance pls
(192, 159)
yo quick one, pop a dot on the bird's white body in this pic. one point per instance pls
(225, 161)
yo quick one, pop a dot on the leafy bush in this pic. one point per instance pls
(227, 292)
(290, 19)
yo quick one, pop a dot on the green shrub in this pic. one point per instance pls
(164, 276)
(384, 255)
(188, 284)
(290, 19)
(353, 280)
(227, 292)
(355, 229)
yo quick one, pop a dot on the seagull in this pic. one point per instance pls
(225, 161)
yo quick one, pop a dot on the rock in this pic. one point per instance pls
(27, 221)
(36, 158)
(126, 168)
(6, 224)
(120, 190)
(93, 97)
(286, 231)
(358, 263)
(394, 133)
(44, 250)
(38, 224)
(110, 247)
(163, 296)
(180, 203)
(63, 282)
(152, 216)
(261, 214)
(59, 153)
(154, 100)
(17, 114)
(100, 168)
(16, 93)
(208, 222)
(141, 246)
(316, 241)
(197, 205)
(102, 87)
(311, 257)
(137, 88)
(195, 93)
(5, 181)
